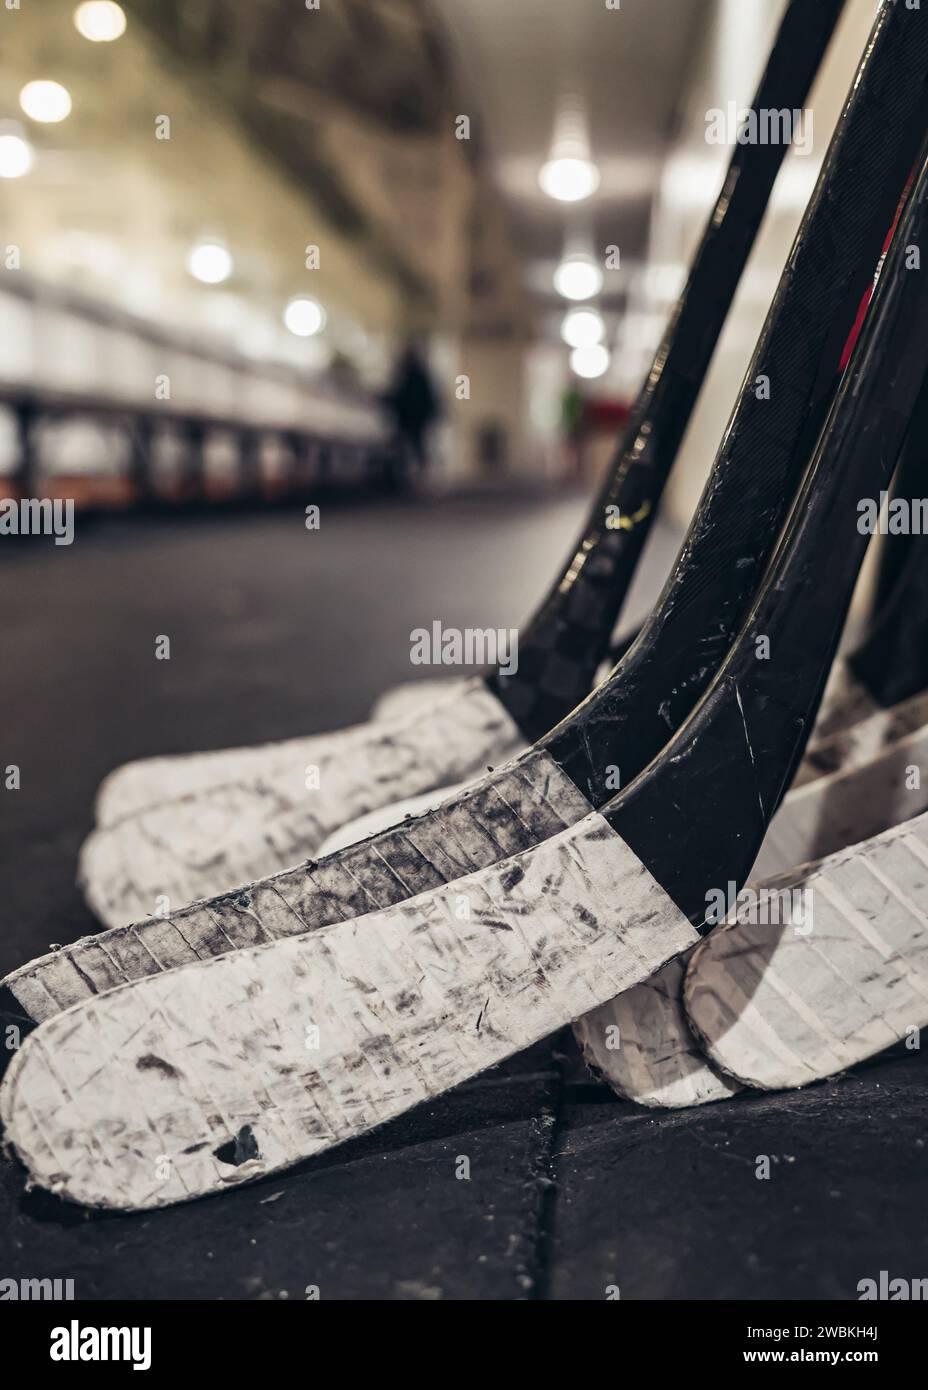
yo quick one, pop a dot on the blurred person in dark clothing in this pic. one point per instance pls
(413, 403)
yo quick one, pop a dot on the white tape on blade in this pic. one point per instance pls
(394, 814)
(855, 745)
(520, 806)
(147, 782)
(282, 1051)
(642, 1043)
(204, 844)
(781, 1005)
(847, 807)
(412, 697)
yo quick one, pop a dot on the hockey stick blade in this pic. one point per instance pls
(149, 1094)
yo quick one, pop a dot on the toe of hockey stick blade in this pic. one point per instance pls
(183, 850)
(137, 786)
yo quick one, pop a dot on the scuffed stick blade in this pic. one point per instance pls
(200, 845)
(843, 976)
(139, 785)
(855, 745)
(846, 808)
(182, 1084)
(641, 1045)
(509, 812)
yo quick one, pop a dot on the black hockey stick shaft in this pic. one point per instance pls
(773, 430)
(698, 814)
(567, 639)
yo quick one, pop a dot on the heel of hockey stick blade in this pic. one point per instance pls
(642, 1044)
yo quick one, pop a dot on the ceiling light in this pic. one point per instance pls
(582, 327)
(304, 317)
(569, 180)
(569, 174)
(590, 361)
(45, 101)
(101, 21)
(210, 262)
(15, 156)
(578, 277)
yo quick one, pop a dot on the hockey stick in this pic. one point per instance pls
(852, 726)
(889, 666)
(191, 848)
(860, 785)
(783, 1002)
(818, 970)
(211, 1075)
(858, 789)
(562, 645)
(893, 661)
(643, 1043)
(516, 807)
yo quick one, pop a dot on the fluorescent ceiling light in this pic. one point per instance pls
(304, 317)
(578, 277)
(15, 157)
(210, 263)
(569, 174)
(569, 180)
(100, 21)
(45, 101)
(582, 327)
(590, 361)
